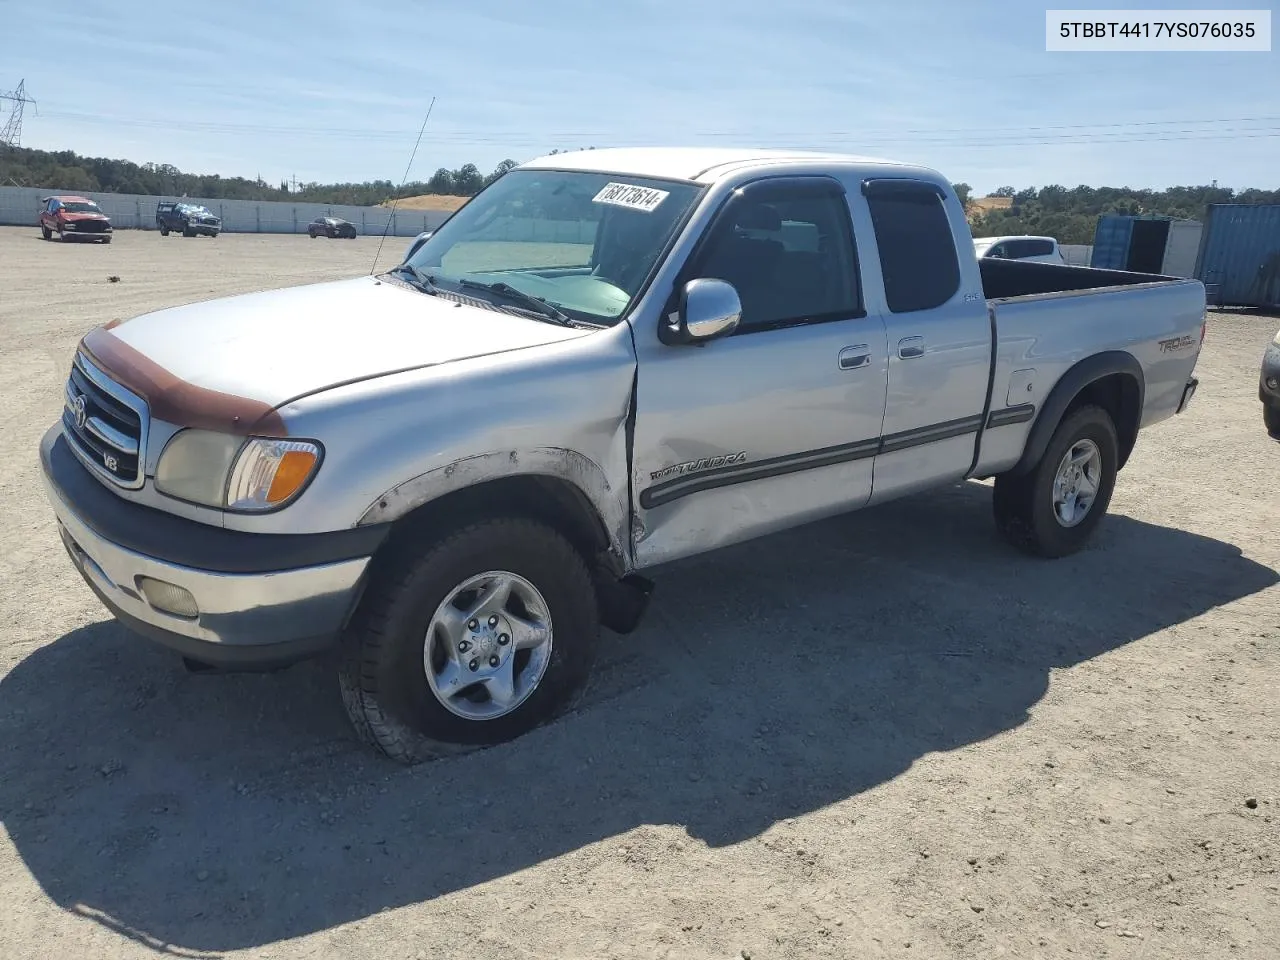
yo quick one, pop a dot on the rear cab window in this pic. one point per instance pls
(918, 259)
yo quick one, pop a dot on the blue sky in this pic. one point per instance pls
(336, 89)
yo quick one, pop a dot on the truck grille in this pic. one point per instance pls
(92, 226)
(105, 424)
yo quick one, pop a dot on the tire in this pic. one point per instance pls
(312, 234)
(1024, 505)
(106, 239)
(382, 676)
(46, 233)
(1271, 417)
(164, 230)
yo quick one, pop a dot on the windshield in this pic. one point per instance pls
(190, 209)
(80, 206)
(582, 242)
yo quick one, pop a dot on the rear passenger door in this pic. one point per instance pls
(939, 335)
(779, 422)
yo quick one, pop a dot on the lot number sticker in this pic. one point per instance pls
(627, 195)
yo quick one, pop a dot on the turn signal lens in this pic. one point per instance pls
(269, 473)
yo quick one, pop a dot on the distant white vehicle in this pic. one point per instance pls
(1042, 249)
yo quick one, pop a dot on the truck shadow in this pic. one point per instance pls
(213, 813)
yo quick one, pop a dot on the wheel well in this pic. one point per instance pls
(1119, 395)
(551, 500)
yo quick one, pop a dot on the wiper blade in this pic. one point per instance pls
(536, 304)
(423, 281)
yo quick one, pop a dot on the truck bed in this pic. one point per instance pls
(1046, 317)
(1005, 279)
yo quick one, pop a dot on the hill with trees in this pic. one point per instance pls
(65, 170)
(1068, 213)
(1071, 213)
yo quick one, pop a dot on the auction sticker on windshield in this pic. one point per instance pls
(628, 195)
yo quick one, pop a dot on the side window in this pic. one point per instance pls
(788, 250)
(917, 252)
(1038, 248)
(999, 251)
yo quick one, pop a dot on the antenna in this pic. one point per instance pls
(396, 200)
(11, 135)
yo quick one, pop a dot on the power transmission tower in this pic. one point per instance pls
(11, 135)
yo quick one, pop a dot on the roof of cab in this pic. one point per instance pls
(701, 164)
(66, 196)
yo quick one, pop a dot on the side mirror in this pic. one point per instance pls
(708, 309)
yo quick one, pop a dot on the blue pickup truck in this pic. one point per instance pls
(189, 219)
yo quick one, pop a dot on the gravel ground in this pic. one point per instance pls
(882, 736)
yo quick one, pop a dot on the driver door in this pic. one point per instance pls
(780, 421)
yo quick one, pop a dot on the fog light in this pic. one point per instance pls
(1273, 383)
(169, 598)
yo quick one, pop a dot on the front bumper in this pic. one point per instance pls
(263, 599)
(1268, 394)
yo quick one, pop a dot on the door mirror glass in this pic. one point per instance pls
(709, 308)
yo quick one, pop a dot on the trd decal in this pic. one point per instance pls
(704, 463)
(1177, 343)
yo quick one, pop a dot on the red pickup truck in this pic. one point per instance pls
(73, 218)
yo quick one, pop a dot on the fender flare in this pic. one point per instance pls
(1089, 370)
(581, 473)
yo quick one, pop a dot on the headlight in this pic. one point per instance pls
(248, 475)
(1276, 341)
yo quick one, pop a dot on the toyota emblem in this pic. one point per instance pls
(81, 413)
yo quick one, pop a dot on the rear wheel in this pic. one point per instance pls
(1053, 510)
(164, 230)
(473, 639)
(106, 239)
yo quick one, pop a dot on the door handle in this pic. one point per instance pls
(911, 347)
(851, 358)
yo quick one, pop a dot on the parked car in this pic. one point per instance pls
(1040, 249)
(418, 241)
(73, 218)
(331, 227)
(1269, 388)
(189, 219)
(463, 490)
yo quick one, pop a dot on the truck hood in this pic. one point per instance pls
(76, 217)
(274, 346)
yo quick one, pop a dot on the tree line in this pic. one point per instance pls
(66, 170)
(1068, 213)
(1071, 213)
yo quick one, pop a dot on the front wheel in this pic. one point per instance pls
(46, 233)
(1053, 510)
(1271, 418)
(474, 639)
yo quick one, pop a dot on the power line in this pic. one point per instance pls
(11, 135)
(869, 135)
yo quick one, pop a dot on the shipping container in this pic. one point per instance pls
(1146, 244)
(1239, 259)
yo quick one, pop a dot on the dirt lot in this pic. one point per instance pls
(883, 736)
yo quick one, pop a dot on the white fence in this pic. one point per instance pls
(20, 206)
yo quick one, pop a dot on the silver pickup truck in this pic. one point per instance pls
(455, 472)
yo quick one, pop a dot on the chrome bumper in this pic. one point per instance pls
(276, 611)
